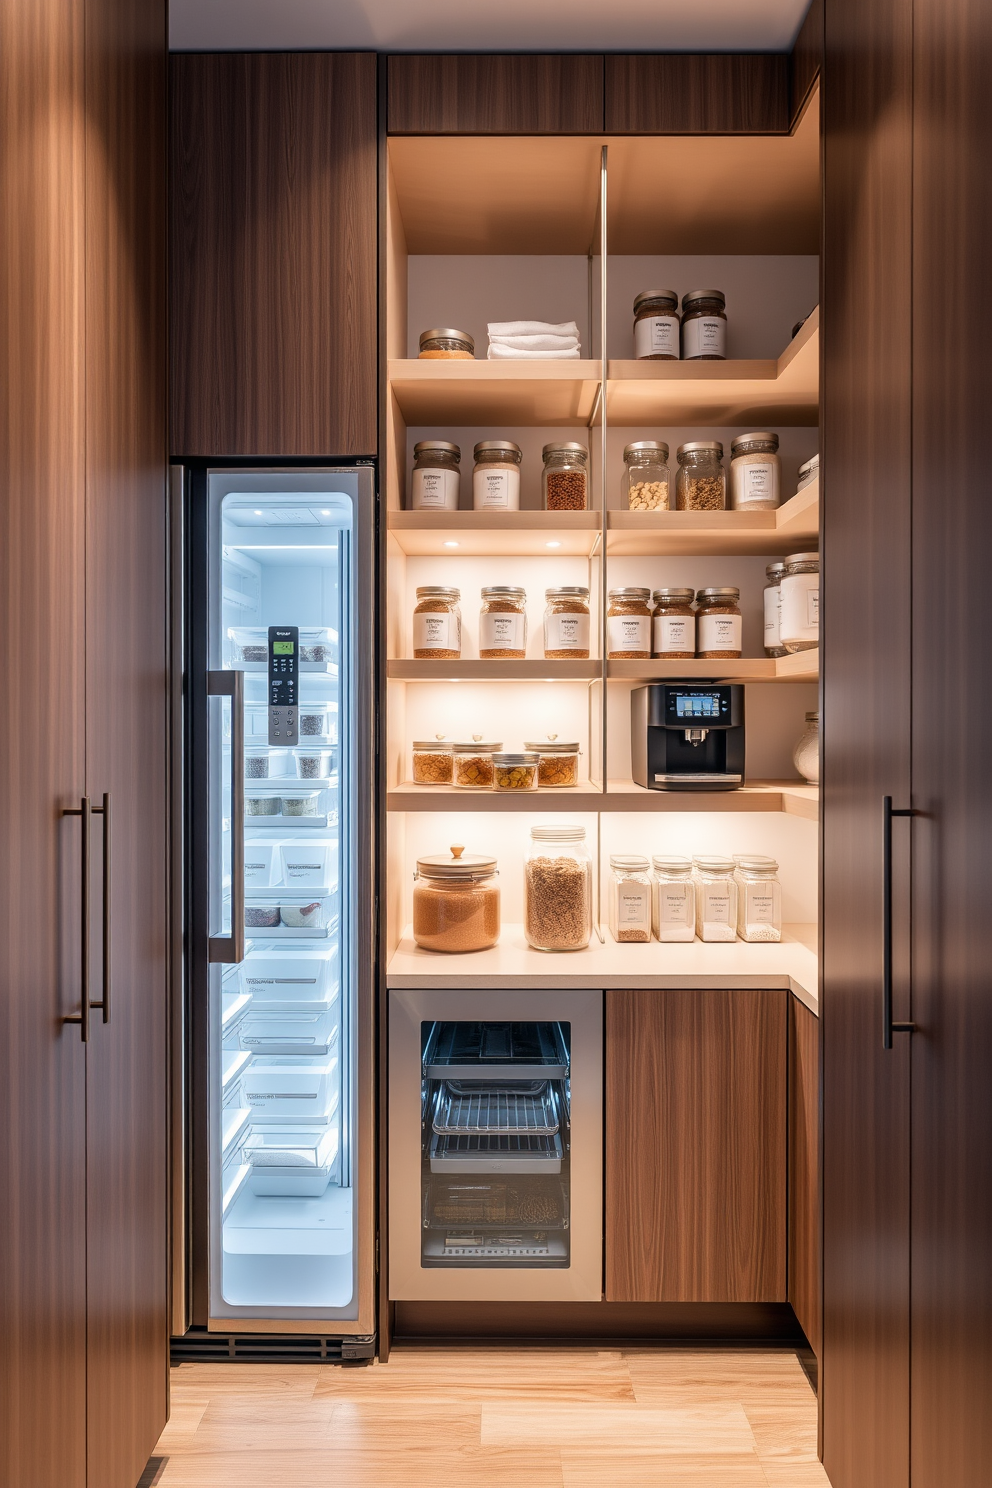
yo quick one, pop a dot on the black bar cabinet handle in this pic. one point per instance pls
(104, 811)
(83, 810)
(888, 1026)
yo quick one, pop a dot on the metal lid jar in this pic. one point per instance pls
(808, 472)
(558, 889)
(759, 899)
(472, 763)
(673, 899)
(629, 898)
(496, 477)
(718, 623)
(656, 325)
(566, 623)
(673, 626)
(716, 898)
(801, 602)
(704, 326)
(558, 761)
(515, 771)
(773, 609)
(646, 483)
(503, 623)
(701, 483)
(456, 902)
(628, 625)
(755, 472)
(437, 623)
(443, 344)
(565, 479)
(436, 480)
(431, 761)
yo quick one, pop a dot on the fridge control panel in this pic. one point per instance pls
(284, 684)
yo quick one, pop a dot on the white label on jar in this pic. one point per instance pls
(656, 335)
(501, 633)
(715, 907)
(761, 906)
(773, 618)
(436, 633)
(704, 336)
(435, 490)
(719, 633)
(566, 633)
(675, 904)
(629, 633)
(633, 904)
(754, 484)
(674, 633)
(494, 489)
(800, 607)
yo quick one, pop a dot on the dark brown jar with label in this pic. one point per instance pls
(656, 326)
(704, 326)
(718, 623)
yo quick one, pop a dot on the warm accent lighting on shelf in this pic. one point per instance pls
(451, 544)
(552, 545)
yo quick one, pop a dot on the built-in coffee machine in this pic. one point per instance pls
(688, 736)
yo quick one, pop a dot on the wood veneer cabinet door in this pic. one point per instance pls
(273, 277)
(865, 545)
(696, 1146)
(126, 608)
(698, 93)
(492, 94)
(804, 1169)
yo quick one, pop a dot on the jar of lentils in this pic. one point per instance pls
(704, 326)
(564, 480)
(496, 477)
(645, 483)
(718, 623)
(701, 484)
(437, 624)
(656, 326)
(566, 623)
(503, 623)
(445, 345)
(628, 625)
(673, 626)
(435, 482)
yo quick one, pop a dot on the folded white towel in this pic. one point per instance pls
(535, 343)
(498, 353)
(501, 328)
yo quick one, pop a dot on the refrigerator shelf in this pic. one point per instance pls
(496, 1154)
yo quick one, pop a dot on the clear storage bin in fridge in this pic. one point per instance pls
(289, 1033)
(249, 645)
(234, 1006)
(279, 1088)
(309, 864)
(263, 865)
(318, 723)
(291, 1164)
(265, 763)
(287, 916)
(313, 762)
(289, 977)
(318, 645)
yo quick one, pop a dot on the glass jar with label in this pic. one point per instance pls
(645, 484)
(718, 623)
(558, 761)
(808, 472)
(565, 478)
(503, 623)
(701, 484)
(496, 477)
(673, 626)
(704, 326)
(558, 889)
(515, 772)
(800, 623)
(716, 899)
(436, 480)
(673, 900)
(431, 761)
(759, 900)
(629, 898)
(755, 473)
(456, 902)
(656, 325)
(628, 625)
(566, 623)
(437, 624)
(442, 344)
(773, 609)
(472, 762)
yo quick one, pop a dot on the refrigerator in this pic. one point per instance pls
(273, 1095)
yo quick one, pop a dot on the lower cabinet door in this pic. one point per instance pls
(696, 1145)
(804, 1170)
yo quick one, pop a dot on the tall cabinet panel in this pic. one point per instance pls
(866, 306)
(42, 1059)
(127, 1333)
(952, 717)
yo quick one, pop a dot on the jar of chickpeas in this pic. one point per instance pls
(645, 483)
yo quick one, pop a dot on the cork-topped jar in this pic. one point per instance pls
(566, 623)
(437, 624)
(628, 625)
(673, 627)
(718, 623)
(441, 344)
(503, 623)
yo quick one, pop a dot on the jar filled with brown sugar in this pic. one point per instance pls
(565, 478)
(701, 484)
(437, 624)
(441, 344)
(628, 625)
(566, 623)
(472, 763)
(656, 325)
(704, 326)
(431, 761)
(718, 623)
(456, 902)
(559, 761)
(503, 623)
(673, 625)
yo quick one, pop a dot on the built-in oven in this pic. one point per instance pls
(495, 1145)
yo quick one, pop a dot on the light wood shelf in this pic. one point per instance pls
(682, 534)
(792, 797)
(801, 666)
(498, 393)
(496, 534)
(409, 797)
(486, 670)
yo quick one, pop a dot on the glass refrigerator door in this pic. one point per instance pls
(284, 866)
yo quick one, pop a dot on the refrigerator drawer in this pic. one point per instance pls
(289, 1033)
(290, 1163)
(289, 974)
(298, 1090)
(496, 1154)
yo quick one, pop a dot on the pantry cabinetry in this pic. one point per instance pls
(804, 1169)
(492, 94)
(683, 93)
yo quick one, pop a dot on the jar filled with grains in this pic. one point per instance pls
(566, 623)
(773, 609)
(431, 761)
(808, 472)
(515, 772)
(755, 473)
(472, 763)
(564, 480)
(800, 623)
(704, 326)
(701, 484)
(630, 898)
(716, 899)
(759, 900)
(558, 889)
(628, 625)
(559, 762)
(456, 902)
(503, 623)
(673, 900)
(718, 623)
(442, 344)
(436, 480)
(673, 627)
(656, 325)
(645, 485)
(496, 477)
(437, 624)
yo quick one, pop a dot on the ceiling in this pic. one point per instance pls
(509, 26)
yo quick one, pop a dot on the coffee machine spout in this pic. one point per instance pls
(695, 736)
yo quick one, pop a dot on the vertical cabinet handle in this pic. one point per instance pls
(104, 811)
(888, 1026)
(84, 811)
(230, 949)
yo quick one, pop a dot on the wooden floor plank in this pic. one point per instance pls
(470, 1375)
(720, 1430)
(644, 1470)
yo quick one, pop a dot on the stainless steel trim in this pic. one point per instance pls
(230, 949)
(700, 779)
